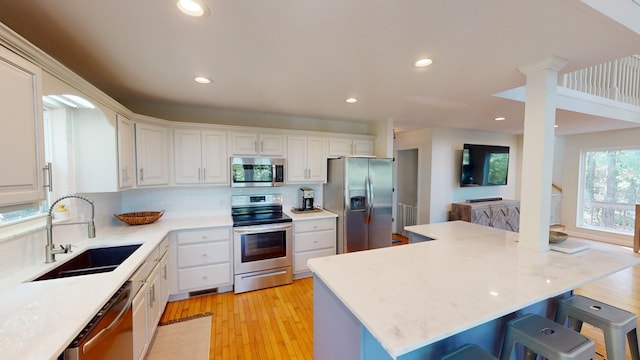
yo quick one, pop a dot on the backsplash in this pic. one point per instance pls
(21, 252)
(212, 201)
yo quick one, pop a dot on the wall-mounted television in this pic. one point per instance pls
(484, 165)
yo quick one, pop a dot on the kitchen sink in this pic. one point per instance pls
(91, 261)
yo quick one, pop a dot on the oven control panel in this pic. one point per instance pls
(254, 200)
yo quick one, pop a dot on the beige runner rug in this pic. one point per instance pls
(182, 340)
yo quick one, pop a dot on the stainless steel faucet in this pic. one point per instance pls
(50, 249)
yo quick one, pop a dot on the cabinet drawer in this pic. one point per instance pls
(205, 253)
(300, 259)
(204, 277)
(315, 225)
(314, 240)
(196, 236)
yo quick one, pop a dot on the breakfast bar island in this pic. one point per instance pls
(422, 300)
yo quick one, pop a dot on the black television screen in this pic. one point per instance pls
(484, 165)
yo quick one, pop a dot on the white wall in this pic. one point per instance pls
(421, 140)
(439, 153)
(573, 145)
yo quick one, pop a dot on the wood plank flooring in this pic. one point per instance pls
(277, 323)
(274, 323)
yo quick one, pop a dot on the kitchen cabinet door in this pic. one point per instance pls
(200, 157)
(22, 141)
(140, 336)
(153, 303)
(362, 147)
(126, 166)
(317, 159)
(254, 144)
(214, 157)
(152, 155)
(348, 147)
(187, 156)
(306, 159)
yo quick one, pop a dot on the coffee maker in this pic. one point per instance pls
(305, 199)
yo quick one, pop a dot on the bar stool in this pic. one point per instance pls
(616, 324)
(469, 352)
(546, 338)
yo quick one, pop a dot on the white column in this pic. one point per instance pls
(537, 153)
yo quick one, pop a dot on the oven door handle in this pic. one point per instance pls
(262, 229)
(256, 230)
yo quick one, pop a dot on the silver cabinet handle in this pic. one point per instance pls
(141, 174)
(49, 170)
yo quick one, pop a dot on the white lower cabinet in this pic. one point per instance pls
(200, 260)
(311, 239)
(149, 301)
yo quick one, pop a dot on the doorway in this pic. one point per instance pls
(406, 190)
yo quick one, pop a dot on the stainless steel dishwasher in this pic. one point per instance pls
(109, 335)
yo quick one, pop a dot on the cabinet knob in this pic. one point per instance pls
(204, 255)
(204, 278)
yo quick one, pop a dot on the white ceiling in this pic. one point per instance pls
(304, 57)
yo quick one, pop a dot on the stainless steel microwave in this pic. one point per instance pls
(253, 172)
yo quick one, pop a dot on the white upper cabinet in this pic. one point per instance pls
(126, 163)
(348, 147)
(254, 144)
(200, 157)
(152, 155)
(22, 140)
(306, 159)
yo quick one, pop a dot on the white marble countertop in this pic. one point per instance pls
(310, 215)
(413, 295)
(39, 319)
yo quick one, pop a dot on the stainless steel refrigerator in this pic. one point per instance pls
(360, 190)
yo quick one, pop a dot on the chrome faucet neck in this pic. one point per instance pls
(50, 249)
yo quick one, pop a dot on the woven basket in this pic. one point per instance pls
(140, 218)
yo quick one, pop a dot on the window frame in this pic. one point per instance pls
(579, 222)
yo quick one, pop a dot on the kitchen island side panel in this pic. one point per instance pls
(337, 333)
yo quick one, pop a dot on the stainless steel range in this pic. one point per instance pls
(261, 242)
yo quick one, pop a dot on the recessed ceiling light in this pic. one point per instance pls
(192, 7)
(351, 100)
(555, 126)
(500, 118)
(423, 62)
(202, 80)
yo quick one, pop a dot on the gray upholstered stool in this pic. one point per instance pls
(469, 352)
(617, 325)
(546, 338)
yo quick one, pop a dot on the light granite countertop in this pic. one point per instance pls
(413, 295)
(39, 319)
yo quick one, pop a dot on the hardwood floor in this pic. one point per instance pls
(274, 323)
(277, 323)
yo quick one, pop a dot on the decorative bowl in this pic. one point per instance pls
(140, 217)
(557, 236)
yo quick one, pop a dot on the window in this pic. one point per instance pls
(610, 181)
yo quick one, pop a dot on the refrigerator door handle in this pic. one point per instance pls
(369, 198)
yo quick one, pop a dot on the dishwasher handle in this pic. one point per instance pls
(86, 347)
